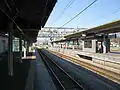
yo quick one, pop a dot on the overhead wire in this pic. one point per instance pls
(67, 6)
(79, 13)
(65, 9)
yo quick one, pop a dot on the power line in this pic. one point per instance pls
(65, 9)
(79, 13)
(68, 5)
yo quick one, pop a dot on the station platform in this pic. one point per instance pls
(42, 80)
(110, 57)
(89, 80)
(20, 72)
(104, 65)
(31, 74)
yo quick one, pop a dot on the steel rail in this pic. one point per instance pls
(61, 87)
(74, 84)
(101, 71)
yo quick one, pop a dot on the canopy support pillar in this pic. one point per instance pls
(10, 47)
(24, 48)
(20, 47)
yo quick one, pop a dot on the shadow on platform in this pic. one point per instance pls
(18, 81)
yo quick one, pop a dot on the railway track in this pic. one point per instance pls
(61, 77)
(101, 71)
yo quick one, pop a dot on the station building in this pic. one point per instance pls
(97, 40)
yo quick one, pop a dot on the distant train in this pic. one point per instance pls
(3, 43)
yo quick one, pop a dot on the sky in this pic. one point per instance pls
(101, 12)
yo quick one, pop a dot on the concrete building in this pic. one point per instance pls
(96, 39)
(48, 34)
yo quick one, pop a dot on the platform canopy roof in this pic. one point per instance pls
(112, 27)
(28, 15)
(59, 40)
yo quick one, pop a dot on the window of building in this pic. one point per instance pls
(88, 44)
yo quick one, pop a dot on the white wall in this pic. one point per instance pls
(2, 46)
(93, 49)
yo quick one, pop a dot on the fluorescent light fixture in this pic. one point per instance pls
(6, 34)
(83, 35)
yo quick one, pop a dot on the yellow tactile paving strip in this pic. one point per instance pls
(29, 58)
